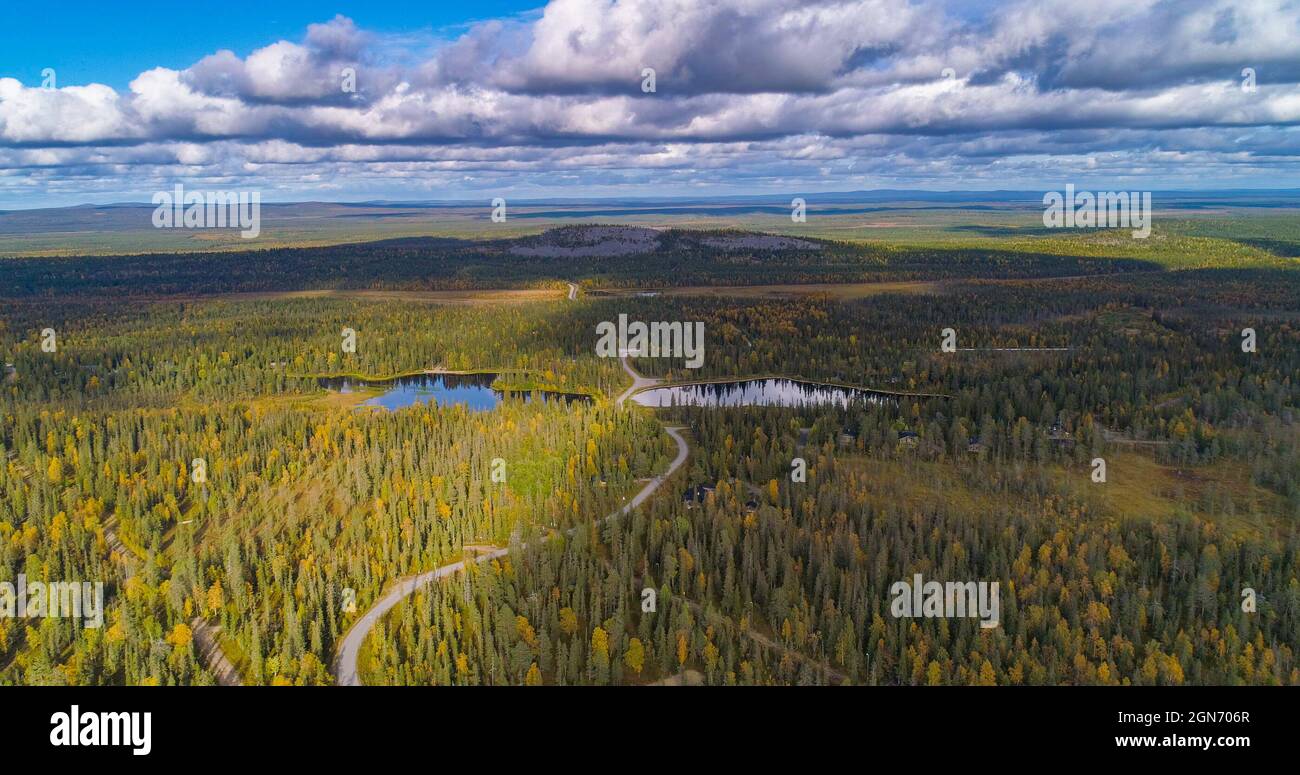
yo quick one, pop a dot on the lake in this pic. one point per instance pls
(473, 391)
(757, 392)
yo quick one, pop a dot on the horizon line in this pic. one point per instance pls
(773, 197)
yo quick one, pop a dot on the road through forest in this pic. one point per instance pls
(345, 664)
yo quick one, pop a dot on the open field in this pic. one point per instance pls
(842, 291)
(467, 297)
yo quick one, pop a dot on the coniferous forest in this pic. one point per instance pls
(242, 514)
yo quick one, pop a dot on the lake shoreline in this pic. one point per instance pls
(788, 378)
(480, 390)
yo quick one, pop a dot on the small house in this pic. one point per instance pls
(696, 494)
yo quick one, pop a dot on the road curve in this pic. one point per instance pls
(638, 381)
(345, 664)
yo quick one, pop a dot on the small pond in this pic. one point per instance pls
(757, 392)
(473, 391)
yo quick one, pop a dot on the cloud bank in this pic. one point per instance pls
(750, 95)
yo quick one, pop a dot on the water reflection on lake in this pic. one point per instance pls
(474, 391)
(757, 392)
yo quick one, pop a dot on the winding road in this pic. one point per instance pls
(345, 664)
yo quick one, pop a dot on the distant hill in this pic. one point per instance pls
(897, 216)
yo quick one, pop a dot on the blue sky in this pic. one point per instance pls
(102, 41)
(531, 100)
